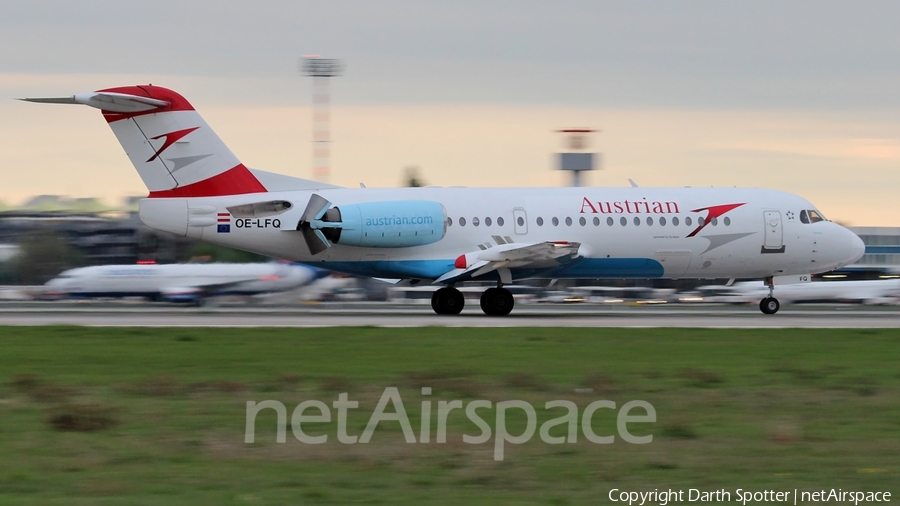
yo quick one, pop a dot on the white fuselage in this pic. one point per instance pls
(623, 232)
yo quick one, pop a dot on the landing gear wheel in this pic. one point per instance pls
(447, 301)
(497, 302)
(769, 305)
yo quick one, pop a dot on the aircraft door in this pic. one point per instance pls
(520, 219)
(774, 234)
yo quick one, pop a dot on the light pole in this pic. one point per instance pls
(321, 70)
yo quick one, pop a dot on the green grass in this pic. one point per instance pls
(157, 416)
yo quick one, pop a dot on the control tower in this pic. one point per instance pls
(577, 158)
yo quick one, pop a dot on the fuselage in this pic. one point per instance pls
(623, 232)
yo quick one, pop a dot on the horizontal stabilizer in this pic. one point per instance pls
(106, 101)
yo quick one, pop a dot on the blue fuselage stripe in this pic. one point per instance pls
(433, 269)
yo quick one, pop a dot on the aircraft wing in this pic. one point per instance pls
(543, 255)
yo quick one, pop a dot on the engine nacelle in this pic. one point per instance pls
(388, 224)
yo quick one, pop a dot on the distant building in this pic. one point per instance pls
(102, 234)
(882, 246)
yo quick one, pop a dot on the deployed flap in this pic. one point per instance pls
(542, 255)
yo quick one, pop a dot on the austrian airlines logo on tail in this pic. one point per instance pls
(171, 138)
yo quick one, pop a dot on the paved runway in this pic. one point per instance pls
(386, 315)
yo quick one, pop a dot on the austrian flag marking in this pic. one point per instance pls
(224, 223)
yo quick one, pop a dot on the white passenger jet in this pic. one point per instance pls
(191, 283)
(448, 236)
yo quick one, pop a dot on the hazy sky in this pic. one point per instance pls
(799, 96)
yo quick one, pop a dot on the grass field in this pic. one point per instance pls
(157, 416)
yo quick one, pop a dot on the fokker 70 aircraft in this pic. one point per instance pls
(448, 236)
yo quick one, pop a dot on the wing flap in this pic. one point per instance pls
(511, 256)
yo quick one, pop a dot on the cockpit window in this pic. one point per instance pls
(810, 216)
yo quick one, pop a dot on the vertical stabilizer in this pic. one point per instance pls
(173, 149)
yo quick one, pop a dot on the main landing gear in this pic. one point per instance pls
(497, 302)
(769, 304)
(494, 301)
(447, 300)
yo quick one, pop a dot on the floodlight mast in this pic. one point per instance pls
(321, 70)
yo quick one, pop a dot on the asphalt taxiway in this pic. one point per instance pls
(388, 315)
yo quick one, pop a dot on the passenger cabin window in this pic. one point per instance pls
(500, 221)
(487, 221)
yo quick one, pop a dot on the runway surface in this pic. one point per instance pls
(388, 315)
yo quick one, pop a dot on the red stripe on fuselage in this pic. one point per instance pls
(235, 181)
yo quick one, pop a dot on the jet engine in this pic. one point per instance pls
(385, 224)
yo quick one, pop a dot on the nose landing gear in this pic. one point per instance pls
(769, 304)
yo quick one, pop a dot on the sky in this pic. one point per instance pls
(801, 96)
